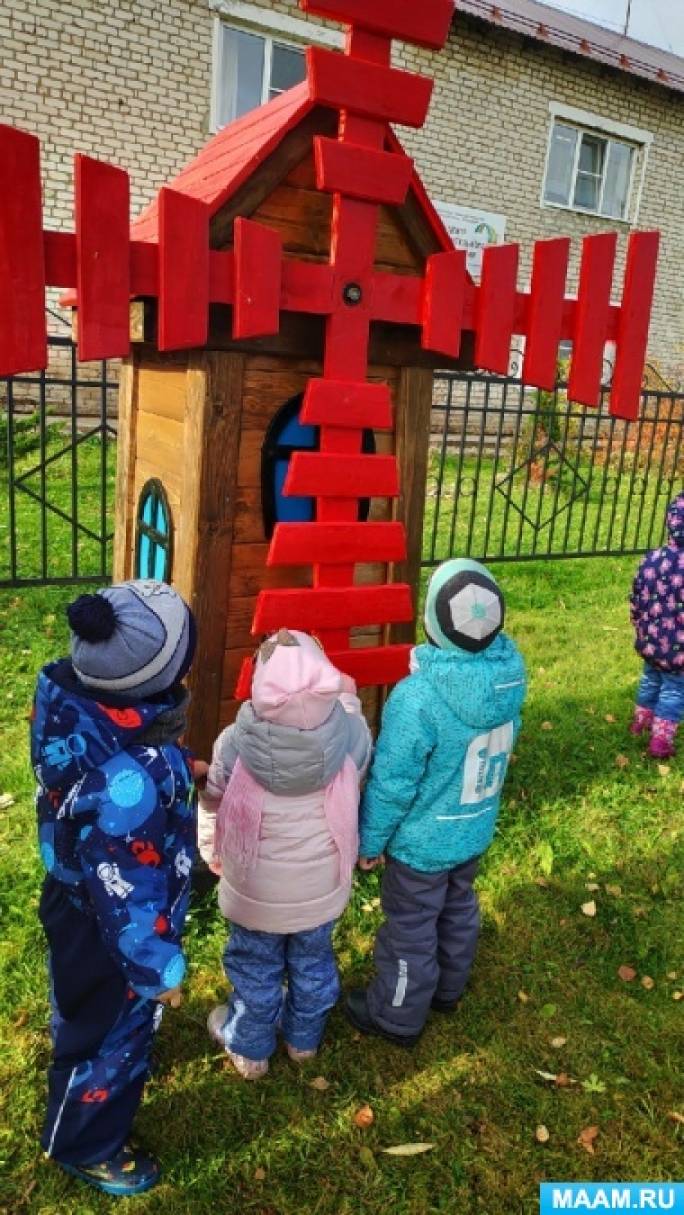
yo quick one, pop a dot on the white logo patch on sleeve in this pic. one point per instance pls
(485, 765)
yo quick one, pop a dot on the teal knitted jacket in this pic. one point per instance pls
(448, 730)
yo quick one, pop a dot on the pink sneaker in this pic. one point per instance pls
(663, 735)
(300, 1056)
(249, 1069)
(642, 720)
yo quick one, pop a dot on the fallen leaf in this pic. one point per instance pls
(614, 891)
(408, 1149)
(587, 1137)
(375, 902)
(541, 881)
(674, 1116)
(557, 1043)
(319, 1083)
(6, 800)
(664, 769)
(366, 907)
(260, 1174)
(563, 1080)
(678, 995)
(523, 997)
(546, 1075)
(640, 913)
(621, 761)
(542, 1134)
(592, 885)
(547, 725)
(21, 1020)
(610, 718)
(364, 1117)
(626, 973)
(648, 983)
(589, 909)
(672, 975)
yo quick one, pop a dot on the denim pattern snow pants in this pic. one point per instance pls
(662, 693)
(257, 964)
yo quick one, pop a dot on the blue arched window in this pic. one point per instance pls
(154, 533)
(285, 435)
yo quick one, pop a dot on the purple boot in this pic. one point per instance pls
(642, 720)
(663, 734)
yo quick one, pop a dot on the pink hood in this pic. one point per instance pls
(297, 685)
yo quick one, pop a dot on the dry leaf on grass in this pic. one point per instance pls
(663, 769)
(621, 761)
(592, 886)
(523, 997)
(610, 718)
(675, 1116)
(678, 995)
(672, 975)
(589, 909)
(364, 1117)
(587, 1137)
(260, 1174)
(319, 1083)
(563, 1080)
(614, 891)
(6, 800)
(556, 1043)
(626, 973)
(408, 1149)
(547, 725)
(648, 983)
(542, 1134)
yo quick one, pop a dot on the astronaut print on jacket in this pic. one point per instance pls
(116, 821)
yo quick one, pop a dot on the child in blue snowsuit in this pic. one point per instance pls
(657, 611)
(116, 822)
(432, 799)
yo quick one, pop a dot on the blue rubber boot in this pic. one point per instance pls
(129, 1172)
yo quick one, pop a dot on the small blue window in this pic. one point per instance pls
(285, 435)
(154, 533)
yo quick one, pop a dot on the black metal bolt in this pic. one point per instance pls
(352, 294)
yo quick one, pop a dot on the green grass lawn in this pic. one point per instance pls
(586, 819)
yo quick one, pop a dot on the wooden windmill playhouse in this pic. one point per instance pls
(280, 309)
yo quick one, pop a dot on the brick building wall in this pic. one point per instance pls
(131, 82)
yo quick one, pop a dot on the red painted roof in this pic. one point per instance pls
(237, 152)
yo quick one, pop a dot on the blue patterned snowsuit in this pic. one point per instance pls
(117, 836)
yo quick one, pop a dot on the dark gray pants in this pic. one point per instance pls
(426, 947)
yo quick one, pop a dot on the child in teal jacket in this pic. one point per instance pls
(432, 800)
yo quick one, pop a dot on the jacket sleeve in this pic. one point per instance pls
(122, 852)
(222, 763)
(401, 754)
(360, 738)
(637, 587)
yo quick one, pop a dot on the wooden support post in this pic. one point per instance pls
(412, 435)
(125, 469)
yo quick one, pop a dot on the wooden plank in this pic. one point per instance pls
(446, 277)
(249, 519)
(249, 462)
(336, 543)
(367, 88)
(545, 315)
(212, 428)
(347, 404)
(23, 335)
(635, 316)
(495, 307)
(382, 177)
(412, 431)
(249, 572)
(329, 608)
(173, 480)
(183, 271)
(424, 24)
(103, 259)
(161, 441)
(124, 504)
(162, 392)
(336, 475)
(258, 279)
(591, 318)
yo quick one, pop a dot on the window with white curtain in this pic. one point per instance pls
(589, 171)
(251, 69)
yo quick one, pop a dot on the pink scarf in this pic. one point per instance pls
(238, 820)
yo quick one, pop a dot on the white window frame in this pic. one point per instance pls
(270, 25)
(594, 124)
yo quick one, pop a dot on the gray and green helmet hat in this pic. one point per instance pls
(464, 608)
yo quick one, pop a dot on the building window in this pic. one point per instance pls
(285, 435)
(589, 171)
(251, 69)
(154, 533)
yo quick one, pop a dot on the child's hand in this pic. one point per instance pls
(367, 863)
(200, 769)
(172, 998)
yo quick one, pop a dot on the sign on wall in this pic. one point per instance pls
(472, 229)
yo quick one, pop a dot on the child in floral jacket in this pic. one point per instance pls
(117, 829)
(657, 611)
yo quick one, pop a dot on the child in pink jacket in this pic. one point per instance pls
(279, 819)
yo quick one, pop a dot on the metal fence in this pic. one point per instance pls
(518, 474)
(56, 471)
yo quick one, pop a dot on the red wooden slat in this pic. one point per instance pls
(60, 262)
(425, 24)
(23, 338)
(373, 665)
(397, 298)
(326, 608)
(258, 278)
(495, 308)
(545, 315)
(306, 287)
(183, 271)
(221, 277)
(103, 259)
(353, 404)
(443, 300)
(243, 687)
(591, 318)
(635, 316)
(329, 475)
(382, 177)
(144, 268)
(336, 543)
(366, 88)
